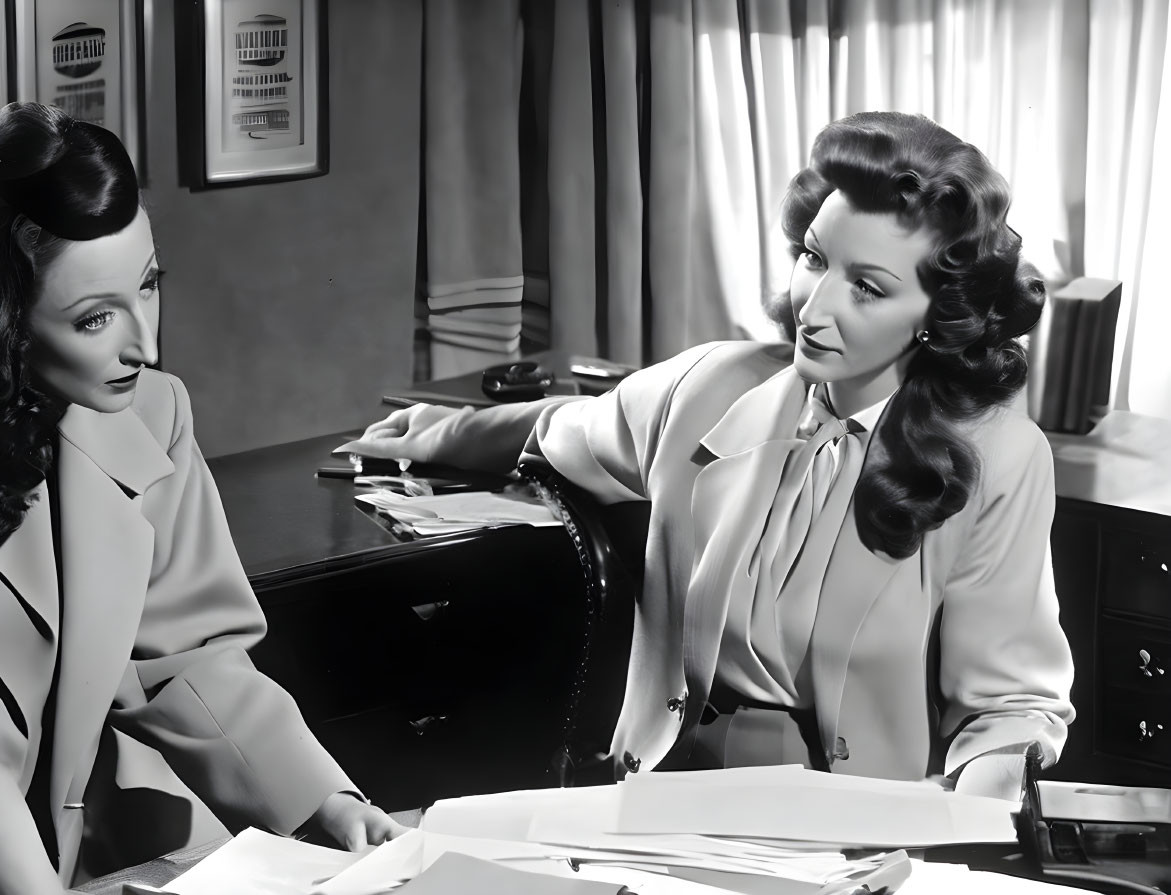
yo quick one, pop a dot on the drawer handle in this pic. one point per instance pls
(422, 725)
(1146, 732)
(1148, 664)
(1143, 557)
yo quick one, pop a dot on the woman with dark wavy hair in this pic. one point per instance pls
(125, 615)
(847, 564)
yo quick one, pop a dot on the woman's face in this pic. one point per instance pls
(95, 321)
(857, 300)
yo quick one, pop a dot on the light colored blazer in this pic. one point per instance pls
(158, 615)
(703, 437)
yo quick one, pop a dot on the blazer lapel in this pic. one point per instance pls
(105, 462)
(731, 498)
(29, 567)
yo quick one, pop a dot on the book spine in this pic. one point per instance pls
(1056, 367)
(1083, 342)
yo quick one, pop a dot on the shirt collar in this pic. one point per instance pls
(865, 419)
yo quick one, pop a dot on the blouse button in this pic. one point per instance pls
(632, 763)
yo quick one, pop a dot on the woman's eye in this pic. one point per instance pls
(812, 259)
(151, 283)
(866, 291)
(94, 322)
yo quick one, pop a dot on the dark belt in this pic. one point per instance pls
(751, 735)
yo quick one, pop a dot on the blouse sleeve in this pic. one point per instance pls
(1005, 664)
(607, 444)
(231, 733)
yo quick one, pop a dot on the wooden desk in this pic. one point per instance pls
(429, 668)
(1112, 552)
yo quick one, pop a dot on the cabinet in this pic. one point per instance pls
(1112, 565)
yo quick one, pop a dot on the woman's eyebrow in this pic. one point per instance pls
(151, 262)
(861, 265)
(96, 296)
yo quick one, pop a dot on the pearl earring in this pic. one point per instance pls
(923, 336)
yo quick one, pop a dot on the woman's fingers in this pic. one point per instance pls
(389, 448)
(396, 422)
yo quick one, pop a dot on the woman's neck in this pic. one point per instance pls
(850, 396)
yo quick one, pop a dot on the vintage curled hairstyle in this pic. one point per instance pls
(920, 468)
(60, 180)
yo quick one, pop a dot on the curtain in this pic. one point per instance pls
(470, 271)
(658, 138)
(732, 98)
(1127, 196)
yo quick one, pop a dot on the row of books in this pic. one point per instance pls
(481, 323)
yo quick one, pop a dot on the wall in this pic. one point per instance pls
(288, 307)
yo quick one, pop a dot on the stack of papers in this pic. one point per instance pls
(453, 513)
(773, 831)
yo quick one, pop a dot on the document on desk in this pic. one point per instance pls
(459, 874)
(928, 878)
(792, 803)
(787, 804)
(578, 825)
(261, 863)
(459, 512)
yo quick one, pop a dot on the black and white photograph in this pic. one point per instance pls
(585, 447)
(265, 108)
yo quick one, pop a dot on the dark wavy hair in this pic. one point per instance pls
(920, 468)
(60, 180)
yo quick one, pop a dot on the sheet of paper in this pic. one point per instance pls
(464, 511)
(509, 815)
(929, 878)
(459, 874)
(1110, 804)
(820, 807)
(381, 870)
(260, 863)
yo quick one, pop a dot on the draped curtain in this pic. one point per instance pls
(658, 138)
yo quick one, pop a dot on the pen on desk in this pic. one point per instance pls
(396, 401)
(337, 472)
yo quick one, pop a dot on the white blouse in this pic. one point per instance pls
(766, 635)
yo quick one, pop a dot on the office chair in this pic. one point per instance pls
(611, 545)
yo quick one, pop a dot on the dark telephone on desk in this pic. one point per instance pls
(524, 380)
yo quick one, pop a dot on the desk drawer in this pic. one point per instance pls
(1136, 572)
(1135, 726)
(1136, 657)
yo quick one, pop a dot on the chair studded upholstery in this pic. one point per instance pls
(611, 543)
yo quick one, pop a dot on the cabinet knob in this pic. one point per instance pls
(1148, 665)
(1147, 730)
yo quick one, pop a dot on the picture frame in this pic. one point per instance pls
(259, 105)
(85, 56)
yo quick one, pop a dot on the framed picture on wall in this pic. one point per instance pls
(85, 56)
(263, 97)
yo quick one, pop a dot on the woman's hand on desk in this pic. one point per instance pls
(354, 823)
(488, 439)
(416, 433)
